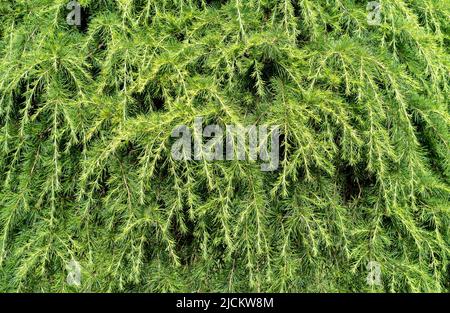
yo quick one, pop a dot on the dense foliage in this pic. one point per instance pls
(86, 115)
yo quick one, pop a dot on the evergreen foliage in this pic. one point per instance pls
(86, 172)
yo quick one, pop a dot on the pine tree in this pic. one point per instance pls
(86, 173)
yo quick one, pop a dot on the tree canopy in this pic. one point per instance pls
(86, 173)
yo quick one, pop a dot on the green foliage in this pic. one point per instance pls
(86, 115)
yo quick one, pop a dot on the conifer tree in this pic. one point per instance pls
(86, 173)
